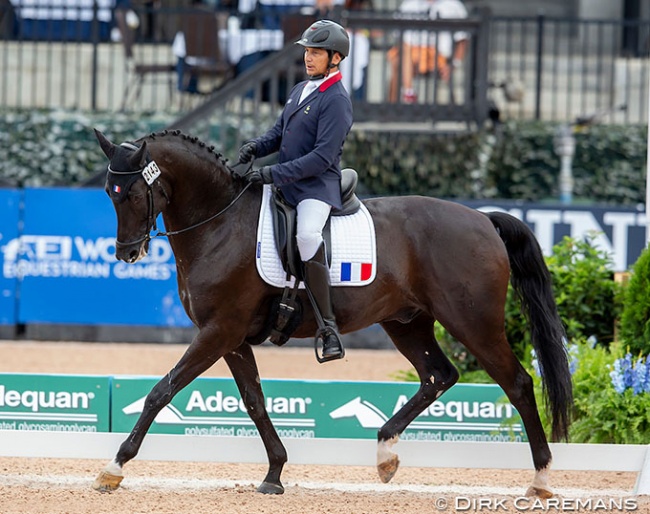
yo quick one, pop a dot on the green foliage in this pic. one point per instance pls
(609, 164)
(45, 148)
(400, 163)
(518, 163)
(635, 319)
(524, 165)
(53, 148)
(600, 414)
(588, 298)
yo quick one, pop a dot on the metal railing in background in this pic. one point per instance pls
(555, 69)
(249, 104)
(444, 91)
(569, 68)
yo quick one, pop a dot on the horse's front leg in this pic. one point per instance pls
(199, 356)
(244, 370)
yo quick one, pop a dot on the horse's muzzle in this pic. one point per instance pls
(131, 253)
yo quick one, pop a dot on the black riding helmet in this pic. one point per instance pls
(328, 35)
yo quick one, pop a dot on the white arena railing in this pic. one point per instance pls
(350, 452)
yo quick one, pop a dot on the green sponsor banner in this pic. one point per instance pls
(54, 403)
(324, 409)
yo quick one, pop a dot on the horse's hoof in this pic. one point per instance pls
(269, 488)
(539, 492)
(107, 482)
(388, 468)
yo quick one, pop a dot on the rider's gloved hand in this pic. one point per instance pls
(261, 176)
(247, 152)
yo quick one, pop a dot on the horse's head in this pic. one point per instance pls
(138, 196)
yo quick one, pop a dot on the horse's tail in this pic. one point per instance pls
(531, 281)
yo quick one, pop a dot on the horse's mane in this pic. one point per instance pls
(177, 134)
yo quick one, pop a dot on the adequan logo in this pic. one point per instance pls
(43, 405)
(220, 403)
(465, 415)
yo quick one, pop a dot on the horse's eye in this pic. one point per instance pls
(135, 197)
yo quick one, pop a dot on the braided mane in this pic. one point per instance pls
(192, 139)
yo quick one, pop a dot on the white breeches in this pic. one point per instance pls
(312, 216)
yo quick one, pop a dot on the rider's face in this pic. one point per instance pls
(317, 60)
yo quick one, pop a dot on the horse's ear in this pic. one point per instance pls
(107, 147)
(138, 158)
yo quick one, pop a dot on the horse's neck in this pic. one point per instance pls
(193, 173)
(199, 185)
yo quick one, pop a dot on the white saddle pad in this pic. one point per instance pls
(354, 252)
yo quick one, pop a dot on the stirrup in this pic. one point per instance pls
(323, 333)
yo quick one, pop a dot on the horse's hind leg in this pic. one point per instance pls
(416, 341)
(198, 357)
(499, 361)
(244, 369)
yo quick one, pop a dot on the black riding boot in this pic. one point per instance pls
(317, 281)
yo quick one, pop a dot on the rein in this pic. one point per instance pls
(150, 173)
(214, 216)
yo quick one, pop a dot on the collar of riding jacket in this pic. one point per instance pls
(329, 81)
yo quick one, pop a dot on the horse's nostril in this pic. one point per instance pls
(133, 256)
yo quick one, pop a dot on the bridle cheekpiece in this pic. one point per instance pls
(150, 173)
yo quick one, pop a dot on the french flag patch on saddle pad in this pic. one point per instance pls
(354, 250)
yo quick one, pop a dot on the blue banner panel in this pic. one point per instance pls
(9, 218)
(66, 261)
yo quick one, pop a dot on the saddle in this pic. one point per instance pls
(284, 223)
(286, 312)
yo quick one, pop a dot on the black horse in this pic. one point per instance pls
(437, 260)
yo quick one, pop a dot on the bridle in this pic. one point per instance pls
(150, 173)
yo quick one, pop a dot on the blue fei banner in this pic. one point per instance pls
(65, 262)
(9, 220)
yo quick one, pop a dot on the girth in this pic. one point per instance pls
(284, 223)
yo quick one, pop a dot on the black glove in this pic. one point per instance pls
(247, 152)
(261, 176)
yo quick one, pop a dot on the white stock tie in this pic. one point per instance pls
(308, 89)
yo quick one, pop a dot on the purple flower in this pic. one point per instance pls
(631, 375)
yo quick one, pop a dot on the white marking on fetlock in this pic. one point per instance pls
(110, 478)
(114, 468)
(540, 486)
(384, 452)
(387, 461)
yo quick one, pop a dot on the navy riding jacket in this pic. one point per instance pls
(309, 138)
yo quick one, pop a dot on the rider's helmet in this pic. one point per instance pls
(328, 35)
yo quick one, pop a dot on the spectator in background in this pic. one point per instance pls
(426, 52)
(354, 69)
